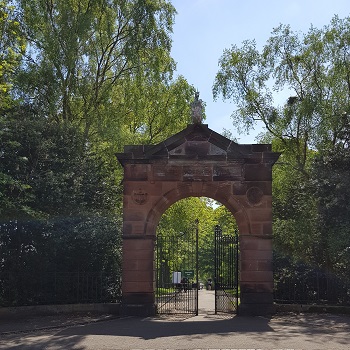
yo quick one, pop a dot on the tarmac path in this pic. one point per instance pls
(205, 331)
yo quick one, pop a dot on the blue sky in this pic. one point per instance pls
(204, 28)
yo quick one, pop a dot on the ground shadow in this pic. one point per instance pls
(204, 331)
(152, 328)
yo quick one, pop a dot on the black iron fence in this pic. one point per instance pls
(177, 272)
(294, 283)
(298, 283)
(59, 288)
(226, 271)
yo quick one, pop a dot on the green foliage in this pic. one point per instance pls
(225, 219)
(58, 210)
(294, 207)
(84, 54)
(312, 70)
(164, 291)
(180, 218)
(95, 75)
(154, 111)
(12, 47)
(48, 170)
(40, 259)
(298, 283)
(16, 146)
(331, 185)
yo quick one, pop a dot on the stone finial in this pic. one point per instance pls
(197, 109)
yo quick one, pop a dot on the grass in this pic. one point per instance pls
(164, 291)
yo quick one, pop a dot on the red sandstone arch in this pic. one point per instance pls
(210, 191)
(197, 162)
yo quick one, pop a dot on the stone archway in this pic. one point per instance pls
(197, 162)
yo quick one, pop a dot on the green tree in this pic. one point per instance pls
(331, 184)
(96, 75)
(181, 216)
(15, 191)
(48, 170)
(48, 261)
(82, 53)
(294, 211)
(225, 220)
(12, 47)
(59, 212)
(105, 67)
(154, 111)
(312, 71)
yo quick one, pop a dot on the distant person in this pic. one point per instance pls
(184, 284)
(209, 284)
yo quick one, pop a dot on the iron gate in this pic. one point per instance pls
(177, 272)
(226, 272)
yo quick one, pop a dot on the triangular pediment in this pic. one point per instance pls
(198, 142)
(197, 147)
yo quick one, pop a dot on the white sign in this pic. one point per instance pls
(177, 277)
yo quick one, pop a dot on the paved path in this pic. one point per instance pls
(206, 301)
(205, 331)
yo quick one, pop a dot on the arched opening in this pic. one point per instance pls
(196, 258)
(220, 194)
